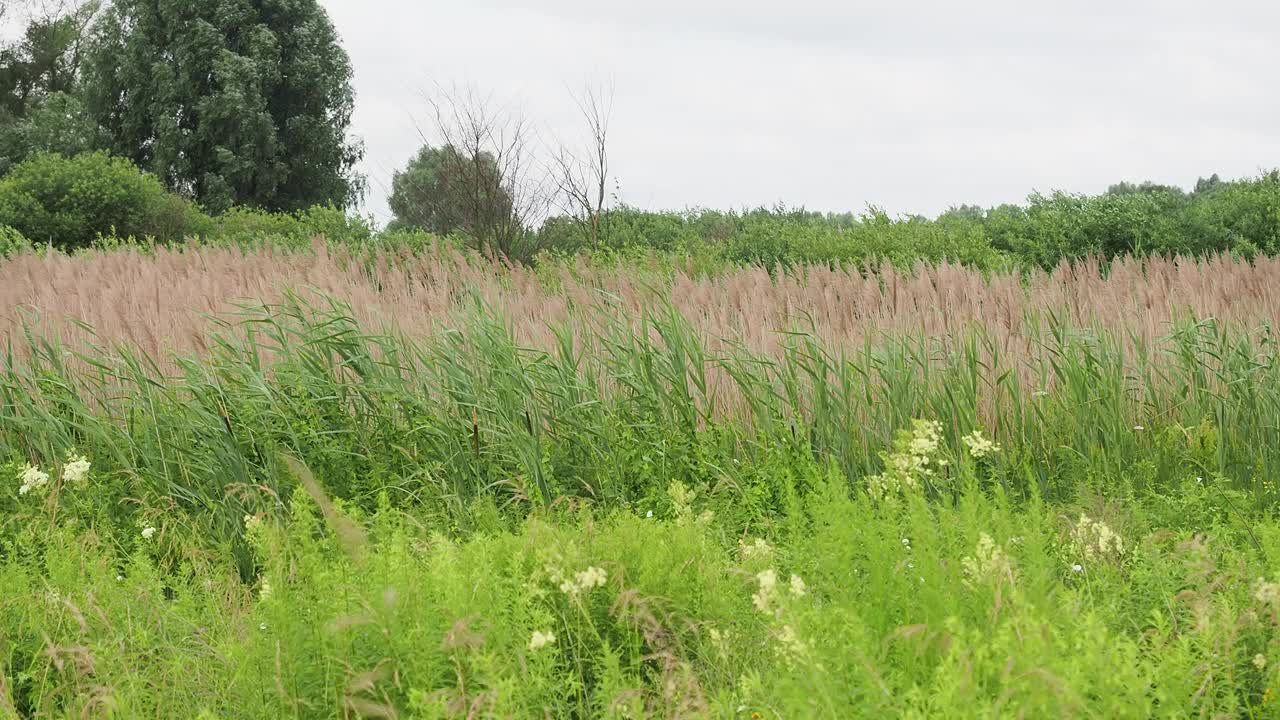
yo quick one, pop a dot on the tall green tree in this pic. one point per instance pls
(39, 82)
(232, 102)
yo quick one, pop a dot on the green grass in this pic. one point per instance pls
(445, 488)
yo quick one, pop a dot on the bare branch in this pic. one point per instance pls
(489, 166)
(582, 177)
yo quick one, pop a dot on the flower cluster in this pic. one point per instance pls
(758, 550)
(541, 639)
(1267, 593)
(793, 646)
(1095, 540)
(32, 478)
(682, 503)
(989, 562)
(767, 598)
(912, 460)
(925, 436)
(585, 581)
(76, 469)
(979, 446)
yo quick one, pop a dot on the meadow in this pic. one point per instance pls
(409, 483)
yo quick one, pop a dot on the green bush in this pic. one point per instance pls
(70, 201)
(1241, 216)
(12, 242)
(250, 227)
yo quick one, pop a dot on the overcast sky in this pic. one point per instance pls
(912, 106)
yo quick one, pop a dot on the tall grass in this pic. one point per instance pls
(160, 301)
(614, 413)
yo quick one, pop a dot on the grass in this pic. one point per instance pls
(348, 521)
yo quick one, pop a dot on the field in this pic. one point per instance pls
(318, 483)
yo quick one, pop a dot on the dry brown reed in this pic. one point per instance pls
(161, 302)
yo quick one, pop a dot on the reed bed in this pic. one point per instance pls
(420, 486)
(162, 301)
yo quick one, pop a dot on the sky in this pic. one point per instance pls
(908, 105)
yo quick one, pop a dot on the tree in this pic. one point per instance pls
(45, 60)
(489, 169)
(231, 102)
(1128, 188)
(431, 193)
(582, 177)
(39, 82)
(1209, 184)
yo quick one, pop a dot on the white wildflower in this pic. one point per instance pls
(148, 532)
(979, 446)
(757, 550)
(910, 462)
(1095, 540)
(768, 582)
(32, 479)
(76, 470)
(798, 588)
(1077, 568)
(649, 514)
(592, 577)
(263, 627)
(925, 437)
(541, 639)
(988, 562)
(1138, 428)
(791, 644)
(1267, 593)
(1259, 661)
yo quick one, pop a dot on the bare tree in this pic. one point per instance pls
(582, 177)
(489, 168)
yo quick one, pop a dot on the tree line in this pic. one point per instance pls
(172, 119)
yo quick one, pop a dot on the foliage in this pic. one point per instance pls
(12, 242)
(433, 192)
(59, 124)
(247, 228)
(228, 102)
(39, 79)
(70, 202)
(1241, 216)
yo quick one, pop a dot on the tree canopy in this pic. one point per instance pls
(39, 79)
(227, 101)
(442, 191)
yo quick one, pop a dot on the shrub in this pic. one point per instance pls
(70, 201)
(12, 242)
(250, 227)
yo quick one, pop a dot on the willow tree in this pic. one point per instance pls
(232, 102)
